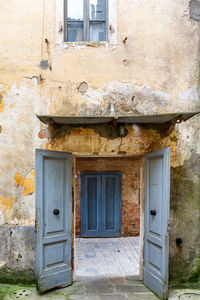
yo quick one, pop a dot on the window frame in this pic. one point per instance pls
(86, 22)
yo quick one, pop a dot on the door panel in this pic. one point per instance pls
(157, 221)
(111, 204)
(53, 197)
(155, 194)
(100, 204)
(53, 219)
(109, 198)
(92, 203)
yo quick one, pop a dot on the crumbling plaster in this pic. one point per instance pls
(162, 60)
(151, 72)
(18, 139)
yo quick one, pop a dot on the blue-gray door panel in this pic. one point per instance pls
(90, 204)
(100, 204)
(111, 204)
(53, 245)
(157, 221)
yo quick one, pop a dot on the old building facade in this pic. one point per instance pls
(145, 62)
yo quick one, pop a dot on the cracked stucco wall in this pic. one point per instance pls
(154, 71)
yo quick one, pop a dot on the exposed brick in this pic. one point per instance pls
(130, 168)
(42, 134)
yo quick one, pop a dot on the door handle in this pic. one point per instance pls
(153, 212)
(56, 211)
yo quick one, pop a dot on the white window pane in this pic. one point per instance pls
(75, 10)
(74, 31)
(97, 31)
(97, 9)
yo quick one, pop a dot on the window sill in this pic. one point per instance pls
(82, 45)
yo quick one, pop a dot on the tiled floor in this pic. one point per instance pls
(100, 289)
(114, 257)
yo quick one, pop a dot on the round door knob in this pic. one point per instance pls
(153, 212)
(56, 211)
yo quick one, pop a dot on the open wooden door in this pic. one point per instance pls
(53, 219)
(157, 204)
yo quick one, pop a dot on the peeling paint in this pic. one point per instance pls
(88, 141)
(28, 183)
(123, 98)
(127, 98)
(189, 96)
(6, 205)
(44, 64)
(83, 87)
(1, 105)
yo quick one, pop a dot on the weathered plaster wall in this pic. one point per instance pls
(130, 170)
(155, 70)
(18, 140)
(185, 204)
(157, 67)
(98, 140)
(19, 245)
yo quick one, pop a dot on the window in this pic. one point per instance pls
(86, 20)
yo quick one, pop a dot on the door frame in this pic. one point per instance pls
(142, 201)
(141, 196)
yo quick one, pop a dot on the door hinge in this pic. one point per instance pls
(139, 196)
(166, 241)
(35, 225)
(168, 227)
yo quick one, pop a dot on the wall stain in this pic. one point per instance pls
(11, 106)
(1, 104)
(6, 204)
(1, 101)
(185, 203)
(27, 183)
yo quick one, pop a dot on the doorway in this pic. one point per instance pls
(107, 197)
(54, 214)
